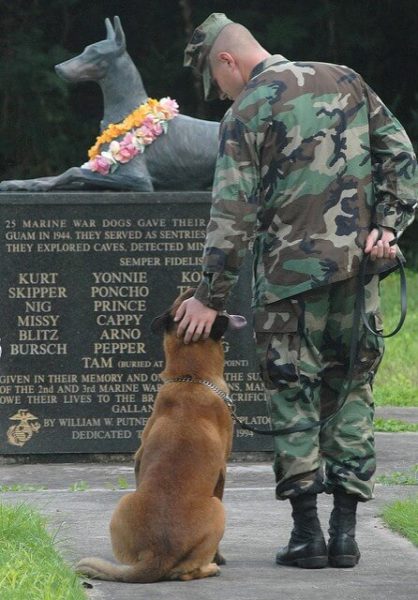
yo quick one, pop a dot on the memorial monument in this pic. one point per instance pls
(183, 158)
(84, 273)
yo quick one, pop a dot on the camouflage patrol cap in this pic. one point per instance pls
(198, 48)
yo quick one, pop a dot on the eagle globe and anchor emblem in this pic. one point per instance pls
(20, 433)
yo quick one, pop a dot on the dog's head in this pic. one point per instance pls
(95, 60)
(223, 322)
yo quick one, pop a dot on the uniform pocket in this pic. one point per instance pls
(278, 347)
(370, 348)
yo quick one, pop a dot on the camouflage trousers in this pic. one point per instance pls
(303, 351)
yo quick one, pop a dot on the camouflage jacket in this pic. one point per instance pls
(309, 157)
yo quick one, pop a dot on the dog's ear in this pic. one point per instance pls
(220, 325)
(162, 323)
(236, 322)
(225, 322)
(119, 33)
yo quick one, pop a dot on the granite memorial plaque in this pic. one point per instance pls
(82, 276)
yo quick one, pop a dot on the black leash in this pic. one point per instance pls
(402, 293)
(359, 315)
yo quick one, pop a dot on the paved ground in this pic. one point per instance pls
(256, 525)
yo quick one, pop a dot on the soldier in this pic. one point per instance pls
(311, 167)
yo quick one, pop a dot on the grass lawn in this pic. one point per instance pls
(30, 566)
(394, 426)
(397, 385)
(402, 517)
(397, 379)
(406, 477)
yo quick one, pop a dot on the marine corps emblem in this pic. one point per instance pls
(21, 433)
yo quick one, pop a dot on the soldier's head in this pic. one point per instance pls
(224, 53)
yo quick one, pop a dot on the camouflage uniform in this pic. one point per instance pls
(309, 158)
(303, 349)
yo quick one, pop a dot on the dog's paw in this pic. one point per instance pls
(210, 570)
(12, 185)
(214, 570)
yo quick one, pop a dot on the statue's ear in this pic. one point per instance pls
(109, 30)
(119, 34)
(162, 323)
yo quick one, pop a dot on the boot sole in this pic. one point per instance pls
(313, 562)
(344, 561)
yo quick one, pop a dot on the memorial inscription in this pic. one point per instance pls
(79, 368)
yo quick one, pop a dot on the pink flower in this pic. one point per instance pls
(169, 107)
(153, 125)
(156, 129)
(129, 139)
(125, 150)
(99, 164)
(145, 132)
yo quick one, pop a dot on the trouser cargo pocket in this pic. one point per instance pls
(278, 345)
(370, 348)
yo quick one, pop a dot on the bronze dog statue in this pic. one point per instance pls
(171, 526)
(182, 159)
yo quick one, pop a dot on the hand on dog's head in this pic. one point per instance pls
(165, 323)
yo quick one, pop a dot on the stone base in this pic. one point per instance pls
(82, 277)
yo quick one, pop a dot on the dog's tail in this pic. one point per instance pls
(148, 569)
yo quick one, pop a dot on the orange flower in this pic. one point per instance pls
(151, 108)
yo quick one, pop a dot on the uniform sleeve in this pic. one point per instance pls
(233, 212)
(394, 167)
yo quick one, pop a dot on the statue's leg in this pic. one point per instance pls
(77, 178)
(42, 184)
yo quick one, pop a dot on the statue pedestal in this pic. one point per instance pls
(82, 276)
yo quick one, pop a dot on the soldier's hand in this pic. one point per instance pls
(194, 320)
(380, 248)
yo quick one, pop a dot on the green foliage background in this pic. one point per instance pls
(47, 126)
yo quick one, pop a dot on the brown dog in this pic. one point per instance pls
(171, 526)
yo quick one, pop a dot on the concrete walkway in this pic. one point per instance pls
(256, 526)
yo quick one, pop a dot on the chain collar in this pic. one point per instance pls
(189, 379)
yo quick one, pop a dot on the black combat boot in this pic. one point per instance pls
(342, 547)
(306, 547)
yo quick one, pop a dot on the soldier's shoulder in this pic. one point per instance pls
(253, 103)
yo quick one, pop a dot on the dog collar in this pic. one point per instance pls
(189, 379)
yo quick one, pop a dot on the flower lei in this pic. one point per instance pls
(141, 127)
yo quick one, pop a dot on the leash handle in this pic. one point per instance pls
(402, 291)
(403, 302)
